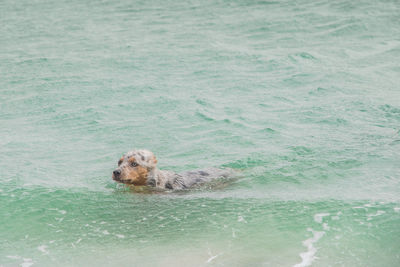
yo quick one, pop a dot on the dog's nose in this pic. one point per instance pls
(117, 173)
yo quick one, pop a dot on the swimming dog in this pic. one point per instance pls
(139, 168)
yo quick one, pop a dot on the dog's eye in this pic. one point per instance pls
(134, 164)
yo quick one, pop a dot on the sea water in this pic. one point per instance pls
(302, 98)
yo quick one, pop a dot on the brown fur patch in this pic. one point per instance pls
(134, 175)
(137, 176)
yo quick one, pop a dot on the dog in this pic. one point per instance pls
(139, 168)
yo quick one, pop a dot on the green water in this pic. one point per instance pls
(303, 97)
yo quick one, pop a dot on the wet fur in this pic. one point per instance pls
(139, 167)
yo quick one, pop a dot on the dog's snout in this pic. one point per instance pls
(117, 173)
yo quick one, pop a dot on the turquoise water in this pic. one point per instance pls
(302, 97)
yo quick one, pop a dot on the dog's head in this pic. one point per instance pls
(134, 167)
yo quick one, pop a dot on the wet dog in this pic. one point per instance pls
(139, 167)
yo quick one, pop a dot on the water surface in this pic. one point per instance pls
(301, 96)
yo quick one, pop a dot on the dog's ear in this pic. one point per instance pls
(147, 159)
(152, 162)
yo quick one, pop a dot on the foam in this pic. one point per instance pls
(241, 219)
(13, 257)
(309, 256)
(378, 213)
(60, 211)
(212, 258)
(318, 217)
(27, 262)
(43, 248)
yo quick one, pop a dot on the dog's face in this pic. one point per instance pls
(134, 167)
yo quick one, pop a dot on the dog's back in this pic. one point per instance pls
(192, 178)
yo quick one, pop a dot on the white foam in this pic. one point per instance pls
(27, 262)
(309, 256)
(43, 248)
(119, 236)
(13, 257)
(60, 211)
(378, 213)
(241, 219)
(318, 217)
(212, 258)
(396, 209)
